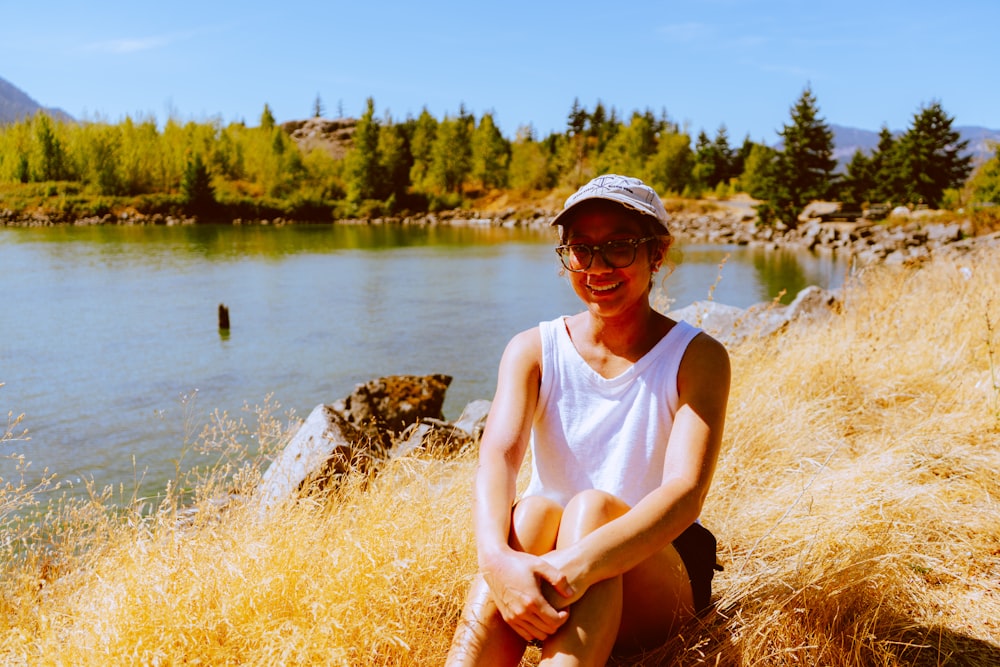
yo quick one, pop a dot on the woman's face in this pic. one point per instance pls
(608, 291)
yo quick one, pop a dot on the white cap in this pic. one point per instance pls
(627, 191)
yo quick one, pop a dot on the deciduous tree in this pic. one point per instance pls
(490, 154)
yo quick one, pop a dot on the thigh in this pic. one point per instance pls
(656, 599)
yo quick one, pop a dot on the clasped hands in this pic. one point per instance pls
(532, 593)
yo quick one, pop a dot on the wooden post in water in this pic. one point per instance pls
(223, 318)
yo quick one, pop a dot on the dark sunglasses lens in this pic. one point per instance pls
(618, 254)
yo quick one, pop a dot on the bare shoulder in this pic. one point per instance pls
(525, 346)
(705, 366)
(522, 356)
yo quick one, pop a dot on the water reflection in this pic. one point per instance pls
(106, 328)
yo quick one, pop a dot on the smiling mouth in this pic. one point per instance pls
(603, 288)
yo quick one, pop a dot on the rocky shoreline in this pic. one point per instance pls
(915, 239)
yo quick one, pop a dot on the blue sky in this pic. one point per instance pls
(741, 63)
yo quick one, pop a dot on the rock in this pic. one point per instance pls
(731, 325)
(437, 438)
(394, 402)
(356, 434)
(473, 418)
(324, 447)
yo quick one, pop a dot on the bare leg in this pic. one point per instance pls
(588, 637)
(482, 636)
(637, 610)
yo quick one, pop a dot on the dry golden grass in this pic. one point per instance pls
(856, 506)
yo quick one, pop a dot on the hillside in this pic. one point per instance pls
(15, 104)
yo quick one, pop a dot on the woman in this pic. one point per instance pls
(623, 409)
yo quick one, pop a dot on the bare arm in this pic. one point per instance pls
(692, 452)
(514, 577)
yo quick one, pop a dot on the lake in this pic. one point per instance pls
(109, 341)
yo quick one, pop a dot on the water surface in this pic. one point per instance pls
(110, 346)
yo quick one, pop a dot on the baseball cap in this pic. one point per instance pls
(630, 192)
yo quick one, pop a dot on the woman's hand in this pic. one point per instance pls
(516, 580)
(565, 562)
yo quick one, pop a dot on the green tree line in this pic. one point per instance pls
(427, 164)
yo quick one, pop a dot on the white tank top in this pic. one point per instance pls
(591, 432)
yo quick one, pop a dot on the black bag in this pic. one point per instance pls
(697, 547)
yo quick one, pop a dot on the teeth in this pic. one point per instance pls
(604, 288)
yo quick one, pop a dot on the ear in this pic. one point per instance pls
(658, 253)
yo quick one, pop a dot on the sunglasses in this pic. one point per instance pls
(616, 254)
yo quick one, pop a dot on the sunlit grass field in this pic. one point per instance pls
(857, 505)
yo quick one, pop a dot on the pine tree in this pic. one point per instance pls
(887, 182)
(714, 159)
(196, 186)
(576, 133)
(267, 118)
(856, 187)
(931, 158)
(804, 168)
(421, 148)
(363, 174)
(52, 159)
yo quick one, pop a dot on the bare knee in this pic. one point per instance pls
(535, 524)
(587, 511)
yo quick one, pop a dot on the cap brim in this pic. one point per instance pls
(624, 202)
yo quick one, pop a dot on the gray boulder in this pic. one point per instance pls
(357, 433)
(324, 447)
(731, 325)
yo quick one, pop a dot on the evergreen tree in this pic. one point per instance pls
(317, 107)
(714, 160)
(804, 169)
(53, 163)
(577, 121)
(267, 118)
(740, 156)
(576, 133)
(394, 162)
(196, 186)
(857, 186)
(931, 158)
(887, 182)
(421, 149)
(362, 170)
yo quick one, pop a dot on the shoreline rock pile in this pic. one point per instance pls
(385, 418)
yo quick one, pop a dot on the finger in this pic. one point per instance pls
(536, 628)
(556, 579)
(544, 618)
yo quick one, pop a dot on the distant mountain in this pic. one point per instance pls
(15, 105)
(847, 140)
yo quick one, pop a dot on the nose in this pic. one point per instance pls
(598, 264)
